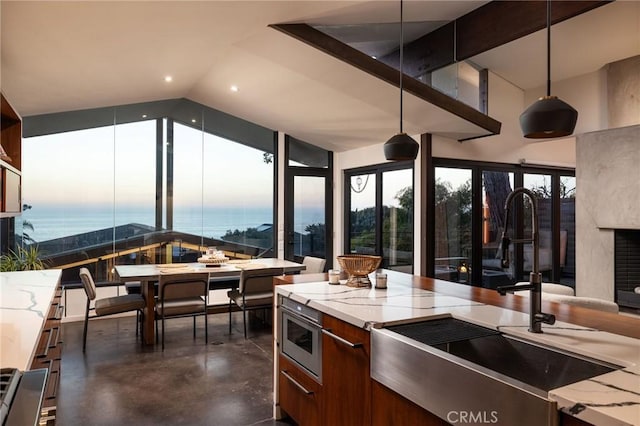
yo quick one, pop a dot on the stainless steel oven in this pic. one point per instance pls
(301, 335)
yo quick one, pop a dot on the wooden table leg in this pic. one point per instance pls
(148, 291)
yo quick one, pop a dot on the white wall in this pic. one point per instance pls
(586, 93)
(506, 103)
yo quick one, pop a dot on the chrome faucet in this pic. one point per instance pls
(536, 316)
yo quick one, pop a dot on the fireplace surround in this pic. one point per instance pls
(627, 267)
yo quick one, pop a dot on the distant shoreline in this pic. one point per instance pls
(52, 222)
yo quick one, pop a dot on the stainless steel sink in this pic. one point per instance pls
(449, 367)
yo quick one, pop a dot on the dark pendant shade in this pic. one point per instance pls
(548, 117)
(401, 147)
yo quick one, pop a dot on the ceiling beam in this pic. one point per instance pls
(485, 28)
(389, 74)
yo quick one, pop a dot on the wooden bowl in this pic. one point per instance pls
(359, 266)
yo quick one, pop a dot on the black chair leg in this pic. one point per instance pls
(140, 323)
(229, 316)
(244, 320)
(194, 327)
(163, 332)
(86, 323)
(206, 327)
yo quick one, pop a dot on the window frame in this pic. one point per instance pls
(378, 170)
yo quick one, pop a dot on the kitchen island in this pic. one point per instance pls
(609, 399)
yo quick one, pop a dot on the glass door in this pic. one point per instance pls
(379, 214)
(496, 187)
(453, 224)
(540, 185)
(309, 224)
(308, 201)
(397, 220)
(362, 215)
(568, 230)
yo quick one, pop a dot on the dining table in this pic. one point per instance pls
(149, 274)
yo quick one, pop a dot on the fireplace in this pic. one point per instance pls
(627, 267)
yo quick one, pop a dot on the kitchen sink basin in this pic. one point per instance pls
(535, 365)
(449, 366)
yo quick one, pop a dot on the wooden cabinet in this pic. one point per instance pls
(346, 379)
(48, 352)
(344, 396)
(390, 408)
(10, 165)
(300, 394)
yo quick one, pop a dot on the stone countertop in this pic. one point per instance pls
(25, 298)
(609, 399)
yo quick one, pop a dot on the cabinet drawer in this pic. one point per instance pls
(50, 341)
(51, 388)
(55, 311)
(391, 408)
(300, 395)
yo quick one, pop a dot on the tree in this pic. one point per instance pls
(453, 219)
(497, 188)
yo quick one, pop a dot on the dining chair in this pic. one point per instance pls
(108, 305)
(182, 295)
(255, 291)
(314, 265)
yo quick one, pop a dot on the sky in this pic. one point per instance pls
(107, 164)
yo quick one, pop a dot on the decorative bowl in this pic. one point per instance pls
(213, 261)
(359, 266)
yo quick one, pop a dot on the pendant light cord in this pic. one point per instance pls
(401, 60)
(548, 47)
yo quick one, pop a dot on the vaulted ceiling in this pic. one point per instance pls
(60, 56)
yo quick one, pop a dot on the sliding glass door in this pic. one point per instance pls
(469, 219)
(453, 231)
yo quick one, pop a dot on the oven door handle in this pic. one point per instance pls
(299, 316)
(327, 332)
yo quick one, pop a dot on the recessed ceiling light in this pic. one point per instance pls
(168, 79)
(234, 88)
(374, 57)
(144, 115)
(193, 120)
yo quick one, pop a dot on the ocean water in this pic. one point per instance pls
(60, 221)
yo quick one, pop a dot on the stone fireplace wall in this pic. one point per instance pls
(607, 198)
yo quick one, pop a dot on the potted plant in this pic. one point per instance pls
(23, 259)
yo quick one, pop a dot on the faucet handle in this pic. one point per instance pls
(505, 251)
(546, 318)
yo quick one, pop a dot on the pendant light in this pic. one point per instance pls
(548, 117)
(401, 146)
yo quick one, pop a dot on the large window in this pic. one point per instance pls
(141, 183)
(379, 213)
(469, 219)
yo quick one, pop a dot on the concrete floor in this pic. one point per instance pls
(120, 382)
